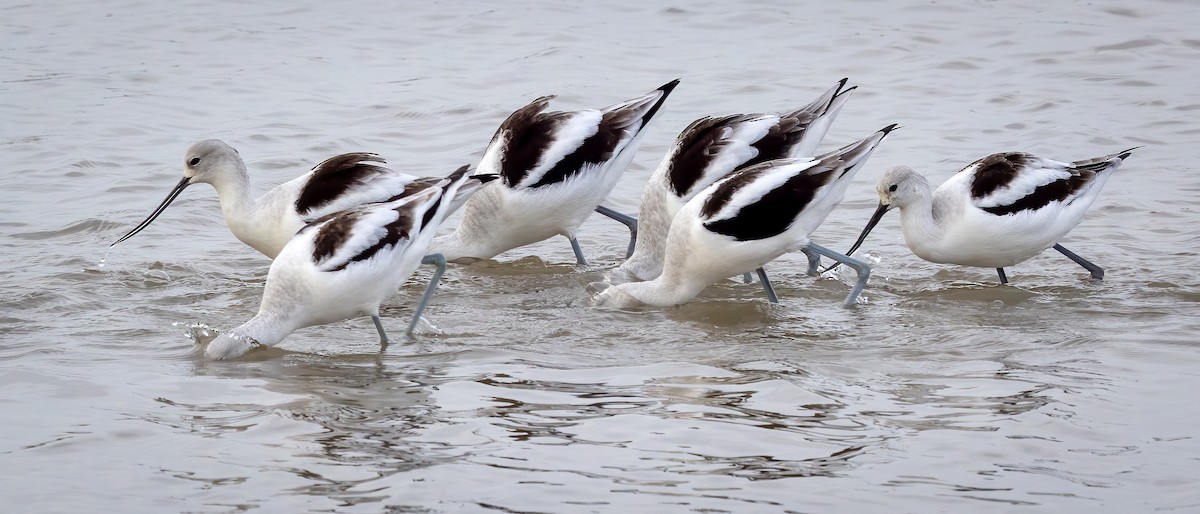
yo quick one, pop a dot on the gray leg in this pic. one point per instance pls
(864, 271)
(1003, 277)
(747, 278)
(440, 261)
(814, 262)
(579, 260)
(383, 338)
(766, 283)
(1097, 271)
(628, 221)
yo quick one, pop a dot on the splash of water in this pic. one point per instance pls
(199, 333)
(847, 275)
(426, 327)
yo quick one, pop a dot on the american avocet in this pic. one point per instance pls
(998, 211)
(269, 222)
(345, 264)
(744, 221)
(710, 149)
(555, 169)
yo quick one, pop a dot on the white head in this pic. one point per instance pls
(900, 186)
(209, 161)
(229, 346)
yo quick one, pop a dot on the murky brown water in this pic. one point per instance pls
(944, 393)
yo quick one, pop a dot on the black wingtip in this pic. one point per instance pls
(842, 89)
(668, 87)
(1125, 154)
(888, 129)
(486, 177)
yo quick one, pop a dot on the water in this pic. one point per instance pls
(944, 392)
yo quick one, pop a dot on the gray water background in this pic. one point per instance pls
(945, 392)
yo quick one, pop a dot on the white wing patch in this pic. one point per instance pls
(567, 137)
(764, 181)
(359, 234)
(1029, 177)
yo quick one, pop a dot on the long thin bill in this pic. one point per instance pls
(183, 184)
(878, 215)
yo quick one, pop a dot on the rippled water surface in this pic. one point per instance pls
(945, 392)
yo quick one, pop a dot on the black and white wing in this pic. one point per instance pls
(766, 199)
(533, 148)
(346, 181)
(1013, 182)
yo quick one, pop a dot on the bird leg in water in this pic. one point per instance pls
(383, 338)
(440, 261)
(766, 283)
(864, 271)
(1097, 271)
(1003, 277)
(628, 221)
(579, 260)
(814, 261)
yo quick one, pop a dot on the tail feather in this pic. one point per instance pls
(635, 114)
(666, 91)
(817, 117)
(821, 104)
(855, 154)
(1098, 164)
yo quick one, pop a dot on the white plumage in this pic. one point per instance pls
(745, 220)
(711, 148)
(998, 211)
(268, 222)
(555, 169)
(345, 264)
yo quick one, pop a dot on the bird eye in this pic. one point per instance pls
(196, 160)
(892, 188)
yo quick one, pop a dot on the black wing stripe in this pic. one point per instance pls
(695, 149)
(778, 141)
(595, 149)
(772, 214)
(332, 230)
(395, 232)
(437, 204)
(527, 133)
(996, 171)
(332, 178)
(602, 145)
(1045, 194)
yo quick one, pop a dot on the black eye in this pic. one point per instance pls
(196, 160)
(892, 188)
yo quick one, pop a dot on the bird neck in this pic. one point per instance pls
(481, 233)
(455, 246)
(654, 222)
(269, 326)
(233, 191)
(262, 330)
(920, 222)
(664, 291)
(242, 213)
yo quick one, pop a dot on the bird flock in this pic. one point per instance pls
(732, 194)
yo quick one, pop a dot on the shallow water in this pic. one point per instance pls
(945, 392)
